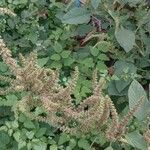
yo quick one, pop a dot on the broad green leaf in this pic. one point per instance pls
(57, 47)
(88, 62)
(17, 2)
(135, 92)
(16, 135)
(94, 51)
(101, 66)
(68, 61)
(112, 90)
(4, 138)
(21, 144)
(11, 23)
(84, 144)
(38, 145)
(132, 2)
(63, 138)
(122, 84)
(42, 61)
(136, 140)
(65, 54)
(3, 67)
(122, 66)
(30, 134)
(29, 145)
(53, 147)
(76, 16)
(103, 57)
(125, 38)
(10, 100)
(83, 29)
(103, 46)
(22, 118)
(29, 124)
(100, 139)
(95, 3)
(15, 124)
(85, 89)
(40, 132)
(72, 143)
(55, 57)
(33, 37)
(5, 102)
(56, 64)
(109, 148)
(12, 97)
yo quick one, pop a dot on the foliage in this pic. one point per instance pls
(110, 35)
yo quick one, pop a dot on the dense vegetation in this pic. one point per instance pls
(74, 74)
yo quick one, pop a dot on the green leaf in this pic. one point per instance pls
(122, 84)
(68, 61)
(122, 66)
(4, 138)
(101, 66)
(136, 140)
(63, 138)
(135, 92)
(11, 23)
(72, 143)
(28, 124)
(103, 46)
(57, 47)
(10, 100)
(33, 37)
(12, 97)
(94, 51)
(85, 89)
(109, 148)
(30, 134)
(5, 102)
(40, 132)
(17, 2)
(88, 62)
(76, 16)
(22, 118)
(55, 57)
(42, 61)
(125, 38)
(84, 144)
(3, 67)
(103, 57)
(65, 54)
(56, 64)
(29, 145)
(16, 135)
(39, 145)
(95, 3)
(53, 147)
(112, 90)
(21, 144)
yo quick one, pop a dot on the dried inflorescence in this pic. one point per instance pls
(43, 90)
(7, 11)
(118, 128)
(147, 133)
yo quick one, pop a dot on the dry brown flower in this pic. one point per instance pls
(118, 128)
(147, 132)
(6, 11)
(43, 90)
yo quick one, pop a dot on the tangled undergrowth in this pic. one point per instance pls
(44, 104)
(45, 91)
